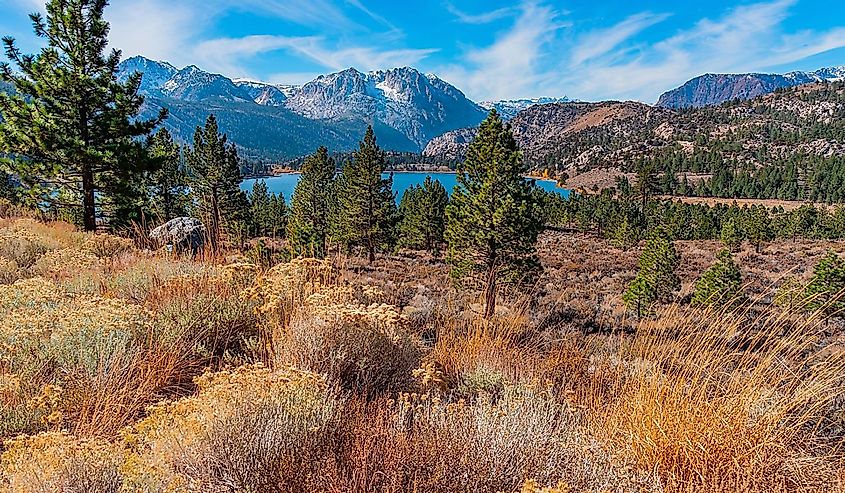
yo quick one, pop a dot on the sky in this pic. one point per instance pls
(490, 49)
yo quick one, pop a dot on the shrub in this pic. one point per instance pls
(51, 462)
(106, 246)
(66, 262)
(364, 348)
(491, 445)
(95, 351)
(251, 429)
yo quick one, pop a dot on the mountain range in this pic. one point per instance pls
(406, 107)
(714, 89)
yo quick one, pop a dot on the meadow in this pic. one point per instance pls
(129, 370)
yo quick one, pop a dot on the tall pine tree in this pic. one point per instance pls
(215, 177)
(71, 126)
(308, 227)
(169, 193)
(268, 211)
(494, 217)
(366, 204)
(423, 216)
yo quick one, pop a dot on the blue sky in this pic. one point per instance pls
(491, 49)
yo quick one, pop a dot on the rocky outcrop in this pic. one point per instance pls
(182, 234)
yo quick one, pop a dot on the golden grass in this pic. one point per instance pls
(125, 370)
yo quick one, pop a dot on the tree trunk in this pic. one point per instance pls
(371, 250)
(89, 206)
(214, 230)
(490, 292)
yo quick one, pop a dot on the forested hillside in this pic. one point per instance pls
(786, 145)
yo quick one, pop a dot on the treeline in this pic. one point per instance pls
(807, 177)
(622, 219)
(394, 160)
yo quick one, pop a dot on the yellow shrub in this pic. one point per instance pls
(53, 462)
(66, 262)
(9, 271)
(251, 429)
(85, 344)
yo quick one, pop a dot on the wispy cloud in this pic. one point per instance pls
(510, 67)
(601, 41)
(482, 18)
(227, 55)
(743, 39)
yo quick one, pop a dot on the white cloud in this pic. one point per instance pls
(510, 67)
(158, 29)
(745, 39)
(601, 41)
(227, 55)
(482, 18)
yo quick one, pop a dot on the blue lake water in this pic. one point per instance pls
(285, 184)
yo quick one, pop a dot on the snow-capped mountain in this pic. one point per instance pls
(419, 106)
(715, 89)
(407, 108)
(509, 108)
(265, 94)
(162, 79)
(156, 74)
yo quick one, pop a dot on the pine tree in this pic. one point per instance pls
(721, 284)
(169, 193)
(69, 124)
(826, 288)
(494, 217)
(423, 213)
(656, 279)
(278, 218)
(268, 211)
(731, 234)
(215, 176)
(646, 185)
(624, 235)
(308, 227)
(757, 227)
(366, 203)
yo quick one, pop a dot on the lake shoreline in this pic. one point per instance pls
(285, 184)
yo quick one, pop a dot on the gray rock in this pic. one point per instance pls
(182, 234)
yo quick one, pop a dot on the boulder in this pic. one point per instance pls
(181, 234)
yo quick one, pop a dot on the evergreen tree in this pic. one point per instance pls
(169, 193)
(731, 235)
(308, 227)
(366, 203)
(278, 218)
(494, 217)
(757, 227)
(268, 211)
(215, 177)
(646, 185)
(721, 284)
(624, 235)
(656, 279)
(70, 125)
(423, 216)
(827, 286)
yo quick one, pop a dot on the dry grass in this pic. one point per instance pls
(338, 376)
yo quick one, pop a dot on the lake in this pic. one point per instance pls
(286, 183)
